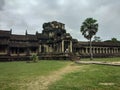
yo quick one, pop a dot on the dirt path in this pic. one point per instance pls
(117, 63)
(43, 82)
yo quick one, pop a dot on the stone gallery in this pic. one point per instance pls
(53, 43)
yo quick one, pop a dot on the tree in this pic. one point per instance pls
(114, 39)
(97, 39)
(88, 29)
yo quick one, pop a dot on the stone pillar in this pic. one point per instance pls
(117, 50)
(70, 46)
(63, 46)
(60, 47)
(96, 50)
(39, 48)
(112, 50)
(100, 50)
(47, 47)
(86, 50)
(106, 50)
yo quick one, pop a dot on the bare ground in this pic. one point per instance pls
(42, 83)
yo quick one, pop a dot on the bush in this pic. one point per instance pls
(34, 58)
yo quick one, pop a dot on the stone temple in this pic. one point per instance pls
(53, 43)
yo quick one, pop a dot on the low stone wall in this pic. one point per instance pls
(56, 56)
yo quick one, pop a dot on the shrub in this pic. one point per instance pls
(34, 58)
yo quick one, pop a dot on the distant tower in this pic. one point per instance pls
(10, 30)
(26, 32)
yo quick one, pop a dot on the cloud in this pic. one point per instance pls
(2, 2)
(31, 14)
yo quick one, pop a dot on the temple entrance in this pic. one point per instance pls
(42, 49)
(67, 46)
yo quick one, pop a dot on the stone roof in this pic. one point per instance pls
(18, 37)
(31, 37)
(5, 33)
(101, 44)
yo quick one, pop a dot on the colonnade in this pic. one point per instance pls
(100, 50)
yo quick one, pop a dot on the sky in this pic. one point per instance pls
(22, 15)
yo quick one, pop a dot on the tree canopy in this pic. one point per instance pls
(89, 28)
(97, 39)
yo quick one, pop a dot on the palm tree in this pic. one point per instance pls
(88, 29)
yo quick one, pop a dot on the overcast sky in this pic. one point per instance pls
(31, 14)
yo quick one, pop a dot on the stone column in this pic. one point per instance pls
(70, 46)
(96, 50)
(117, 50)
(86, 50)
(112, 50)
(103, 50)
(106, 50)
(63, 46)
(47, 47)
(39, 48)
(100, 50)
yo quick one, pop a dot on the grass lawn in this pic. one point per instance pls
(12, 74)
(91, 77)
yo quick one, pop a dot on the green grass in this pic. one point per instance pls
(90, 77)
(13, 73)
